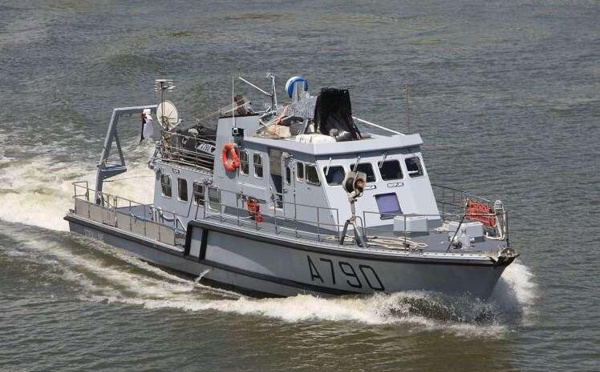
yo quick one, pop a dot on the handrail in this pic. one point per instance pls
(320, 221)
(376, 125)
(172, 148)
(128, 204)
(462, 192)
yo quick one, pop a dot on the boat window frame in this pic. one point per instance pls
(179, 188)
(419, 165)
(354, 167)
(255, 166)
(298, 178)
(244, 153)
(327, 170)
(195, 193)
(380, 165)
(307, 165)
(163, 185)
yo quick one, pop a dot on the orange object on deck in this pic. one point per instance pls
(482, 212)
(254, 210)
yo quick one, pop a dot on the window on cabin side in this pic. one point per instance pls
(390, 170)
(414, 167)
(214, 198)
(300, 171)
(288, 174)
(182, 190)
(334, 175)
(165, 185)
(312, 176)
(244, 163)
(198, 193)
(258, 165)
(366, 168)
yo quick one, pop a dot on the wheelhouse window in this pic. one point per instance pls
(334, 175)
(182, 190)
(300, 171)
(258, 165)
(311, 175)
(414, 167)
(390, 170)
(214, 198)
(244, 163)
(165, 184)
(198, 193)
(366, 168)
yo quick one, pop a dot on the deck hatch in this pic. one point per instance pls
(388, 205)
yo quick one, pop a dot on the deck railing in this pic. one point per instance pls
(274, 216)
(142, 219)
(282, 216)
(451, 200)
(192, 151)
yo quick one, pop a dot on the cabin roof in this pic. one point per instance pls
(376, 143)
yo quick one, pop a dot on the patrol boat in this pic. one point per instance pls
(296, 199)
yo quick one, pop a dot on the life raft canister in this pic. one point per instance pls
(230, 157)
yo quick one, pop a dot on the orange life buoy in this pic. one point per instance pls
(230, 157)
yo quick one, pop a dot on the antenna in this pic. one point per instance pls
(166, 112)
(162, 85)
(408, 109)
(274, 92)
(233, 100)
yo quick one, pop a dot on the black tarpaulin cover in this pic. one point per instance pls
(333, 115)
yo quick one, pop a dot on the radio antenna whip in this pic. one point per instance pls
(408, 108)
(233, 100)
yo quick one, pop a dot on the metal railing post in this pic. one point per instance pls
(364, 224)
(318, 226)
(130, 218)
(275, 217)
(443, 200)
(405, 229)
(506, 225)
(237, 209)
(337, 223)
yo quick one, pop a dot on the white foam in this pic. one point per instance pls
(39, 191)
(130, 281)
(517, 291)
(368, 310)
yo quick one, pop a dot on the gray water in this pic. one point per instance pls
(505, 95)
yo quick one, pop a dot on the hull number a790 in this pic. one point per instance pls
(328, 271)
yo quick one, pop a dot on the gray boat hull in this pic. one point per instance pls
(257, 264)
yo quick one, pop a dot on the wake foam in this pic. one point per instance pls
(38, 191)
(102, 274)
